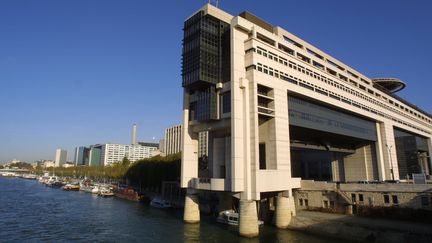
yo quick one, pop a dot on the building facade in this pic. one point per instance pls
(81, 156)
(95, 155)
(172, 142)
(279, 110)
(173, 139)
(60, 157)
(203, 144)
(112, 153)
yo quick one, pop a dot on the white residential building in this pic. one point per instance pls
(60, 157)
(173, 137)
(112, 153)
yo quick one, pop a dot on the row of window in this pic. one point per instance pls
(309, 72)
(309, 60)
(294, 80)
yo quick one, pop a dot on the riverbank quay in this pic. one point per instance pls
(360, 229)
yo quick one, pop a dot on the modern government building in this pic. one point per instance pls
(279, 111)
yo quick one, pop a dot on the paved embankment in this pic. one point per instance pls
(360, 229)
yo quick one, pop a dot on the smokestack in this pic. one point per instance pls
(134, 134)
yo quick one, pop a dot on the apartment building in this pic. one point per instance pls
(112, 153)
(60, 157)
(173, 139)
(278, 110)
(81, 156)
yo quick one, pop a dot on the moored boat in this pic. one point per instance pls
(231, 217)
(29, 176)
(8, 174)
(127, 193)
(86, 185)
(95, 190)
(71, 187)
(160, 203)
(105, 192)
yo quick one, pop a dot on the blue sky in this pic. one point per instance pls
(82, 72)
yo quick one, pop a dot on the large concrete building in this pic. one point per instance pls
(172, 142)
(112, 153)
(173, 139)
(81, 156)
(278, 110)
(60, 157)
(109, 153)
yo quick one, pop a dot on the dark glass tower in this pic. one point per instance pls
(206, 62)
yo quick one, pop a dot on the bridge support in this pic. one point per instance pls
(191, 209)
(285, 209)
(248, 221)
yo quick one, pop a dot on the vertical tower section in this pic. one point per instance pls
(206, 63)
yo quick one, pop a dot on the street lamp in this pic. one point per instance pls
(389, 147)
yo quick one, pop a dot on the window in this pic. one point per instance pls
(301, 201)
(286, 49)
(306, 202)
(353, 197)
(326, 204)
(361, 197)
(226, 102)
(395, 199)
(262, 156)
(386, 199)
(424, 201)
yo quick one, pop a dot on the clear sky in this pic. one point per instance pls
(82, 72)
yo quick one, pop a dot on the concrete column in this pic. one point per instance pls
(429, 159)
(191, 209)
(189, 163)
(380, 151)
(389, 151)
(285, 209)
(248, 222)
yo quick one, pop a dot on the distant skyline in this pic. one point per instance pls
(76, 73)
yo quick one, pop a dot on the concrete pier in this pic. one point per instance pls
(191, 209)
(248, 221)
(285, 209)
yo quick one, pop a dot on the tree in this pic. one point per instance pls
(1, 167)
(125, 162)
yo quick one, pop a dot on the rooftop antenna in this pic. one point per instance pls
(215, 3)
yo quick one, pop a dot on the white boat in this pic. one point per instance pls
(105, 192)
(231, 217)
(95, 190)
(86, 185)
(160, 203)
(29, 176)
(8, 174)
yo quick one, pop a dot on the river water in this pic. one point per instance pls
(31, 212)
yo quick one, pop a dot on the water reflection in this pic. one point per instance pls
(191, 232)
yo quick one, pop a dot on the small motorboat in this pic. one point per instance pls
(105, 192)
(71, 187)
(231, 217)
(160, 203)
(95, 190)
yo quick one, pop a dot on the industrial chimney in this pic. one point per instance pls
(134, 134)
